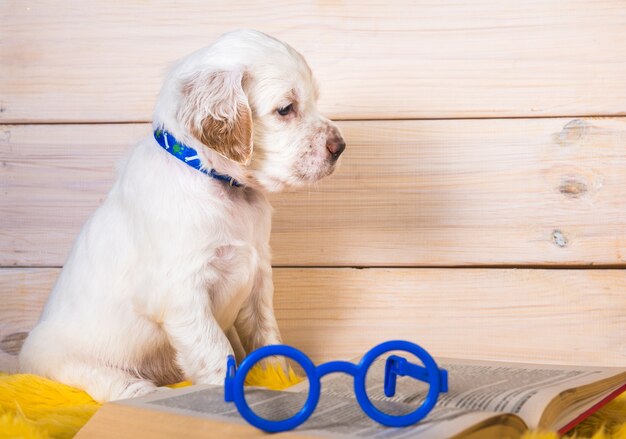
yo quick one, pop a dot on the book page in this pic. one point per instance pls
(566, 416)
(518, 388)
(522, 389)
(334, 417)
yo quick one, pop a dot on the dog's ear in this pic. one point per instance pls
(215, 110)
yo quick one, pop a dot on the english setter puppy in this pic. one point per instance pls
(175, 264)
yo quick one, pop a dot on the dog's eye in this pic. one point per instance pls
(285, 110)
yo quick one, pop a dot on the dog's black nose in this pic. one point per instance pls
(335, 146)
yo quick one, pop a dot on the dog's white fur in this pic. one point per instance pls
(174, 263)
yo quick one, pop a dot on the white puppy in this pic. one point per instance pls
(177, 260)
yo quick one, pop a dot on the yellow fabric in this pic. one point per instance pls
(32, 407)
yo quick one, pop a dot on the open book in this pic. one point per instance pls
(485, 399)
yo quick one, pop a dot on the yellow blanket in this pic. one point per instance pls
(32, 407)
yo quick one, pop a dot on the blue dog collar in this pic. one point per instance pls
(189, 156)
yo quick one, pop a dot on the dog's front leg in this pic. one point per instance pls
(201, 345)
(255, 323)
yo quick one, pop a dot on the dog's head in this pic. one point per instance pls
(248, 104)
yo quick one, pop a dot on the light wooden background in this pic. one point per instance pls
(481, 206)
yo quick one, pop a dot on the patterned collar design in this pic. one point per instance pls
(189, 156)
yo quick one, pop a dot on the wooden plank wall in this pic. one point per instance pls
(104, 61)
(481, 195)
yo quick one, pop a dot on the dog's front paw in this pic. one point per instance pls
(135, 389)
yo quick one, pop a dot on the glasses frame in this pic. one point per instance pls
(395, 365)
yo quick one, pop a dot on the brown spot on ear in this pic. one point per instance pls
(215, 111)
(232, 139)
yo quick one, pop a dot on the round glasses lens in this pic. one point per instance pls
(409, 392)
(270, 388)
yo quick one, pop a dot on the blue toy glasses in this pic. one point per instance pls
(394, 366)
